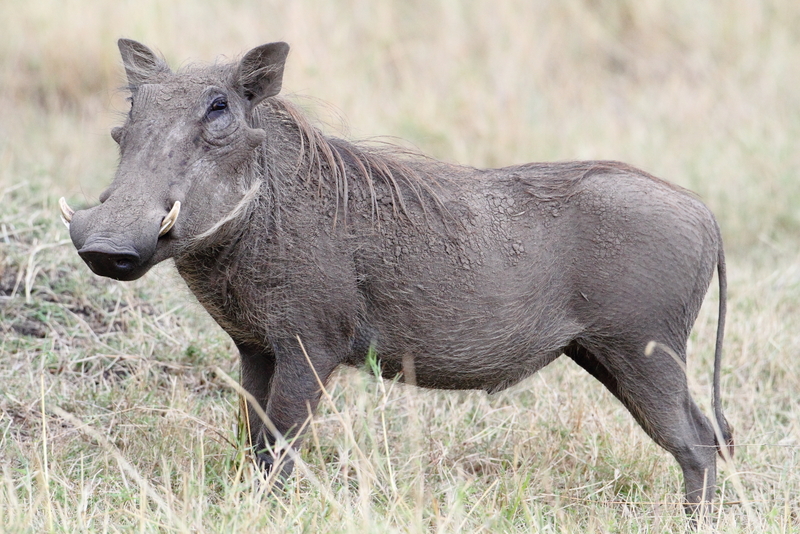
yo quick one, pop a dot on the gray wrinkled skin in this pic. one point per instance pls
(461, 278)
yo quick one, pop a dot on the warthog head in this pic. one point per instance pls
(183, 150)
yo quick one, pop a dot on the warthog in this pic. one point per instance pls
(459, 278)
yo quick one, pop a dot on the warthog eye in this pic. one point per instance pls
(217, 107)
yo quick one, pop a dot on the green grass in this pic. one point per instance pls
(115, 414)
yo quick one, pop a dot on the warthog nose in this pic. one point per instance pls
(121, 264)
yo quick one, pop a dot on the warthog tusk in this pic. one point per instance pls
(170, 219)
(66, 211)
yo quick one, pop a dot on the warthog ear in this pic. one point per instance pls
(260, 72)
(140, 62)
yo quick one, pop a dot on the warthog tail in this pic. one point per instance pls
(725, 430)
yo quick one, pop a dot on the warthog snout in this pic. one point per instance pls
(118, 248)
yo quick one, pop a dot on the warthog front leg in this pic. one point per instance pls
(287, 389)
(257, 369)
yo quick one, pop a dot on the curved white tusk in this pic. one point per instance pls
(170, 219)
(66, 211)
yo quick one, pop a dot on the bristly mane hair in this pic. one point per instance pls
(335, 164)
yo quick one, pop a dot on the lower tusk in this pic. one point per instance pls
(170, 219)
(66, 211)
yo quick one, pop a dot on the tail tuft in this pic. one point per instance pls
(727, 435)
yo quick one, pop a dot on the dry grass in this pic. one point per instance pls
(702, 94)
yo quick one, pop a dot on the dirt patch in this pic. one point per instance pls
(21, 424)
(103, 317)
(25, 327)
(10, 278)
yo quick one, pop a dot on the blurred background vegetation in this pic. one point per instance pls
(701, 93)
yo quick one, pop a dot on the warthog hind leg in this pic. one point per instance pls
(653, 388)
